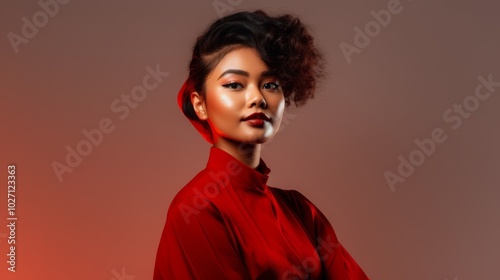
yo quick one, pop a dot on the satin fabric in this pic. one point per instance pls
(227, 223)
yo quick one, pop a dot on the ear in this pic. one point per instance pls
(199, 105)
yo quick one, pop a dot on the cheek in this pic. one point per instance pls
(279, 111)
(226, 101)
(221, 105)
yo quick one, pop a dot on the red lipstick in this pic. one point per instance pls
(256, 119)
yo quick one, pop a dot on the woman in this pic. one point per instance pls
(227, 223)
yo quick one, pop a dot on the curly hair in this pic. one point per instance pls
(282, 42)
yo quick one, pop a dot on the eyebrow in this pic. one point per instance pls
(244, 73)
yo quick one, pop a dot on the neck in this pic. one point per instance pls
(248, 154)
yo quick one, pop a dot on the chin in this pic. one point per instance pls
(256, 140)
(262, 140)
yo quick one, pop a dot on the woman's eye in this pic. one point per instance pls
(233, 85)
(271, 86)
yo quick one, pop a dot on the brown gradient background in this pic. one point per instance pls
(108, 214)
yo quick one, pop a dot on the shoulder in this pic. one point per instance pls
(313, 220)
(300, 205)
(204, 184)
(198, 198)
(292, 196)
(296, 201)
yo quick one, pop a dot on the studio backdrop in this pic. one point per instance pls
(399, 148)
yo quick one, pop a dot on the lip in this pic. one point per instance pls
(257, 116)
(255, 122)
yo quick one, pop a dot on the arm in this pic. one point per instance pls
(196, 244)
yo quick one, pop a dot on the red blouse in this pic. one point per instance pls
(227, 223)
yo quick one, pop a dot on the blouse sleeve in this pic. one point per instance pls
(336, 261)
(196, 244)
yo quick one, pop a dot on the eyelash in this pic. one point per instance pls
(230, 84)
(276, 85)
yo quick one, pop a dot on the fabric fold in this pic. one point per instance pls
(227, 223)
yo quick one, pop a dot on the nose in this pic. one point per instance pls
(256, 98)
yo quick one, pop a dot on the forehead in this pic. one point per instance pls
(243, 58)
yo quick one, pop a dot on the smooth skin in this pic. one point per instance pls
(237, 87)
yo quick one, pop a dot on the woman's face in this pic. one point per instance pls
(238, 87)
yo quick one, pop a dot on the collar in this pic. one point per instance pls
(240, 174)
